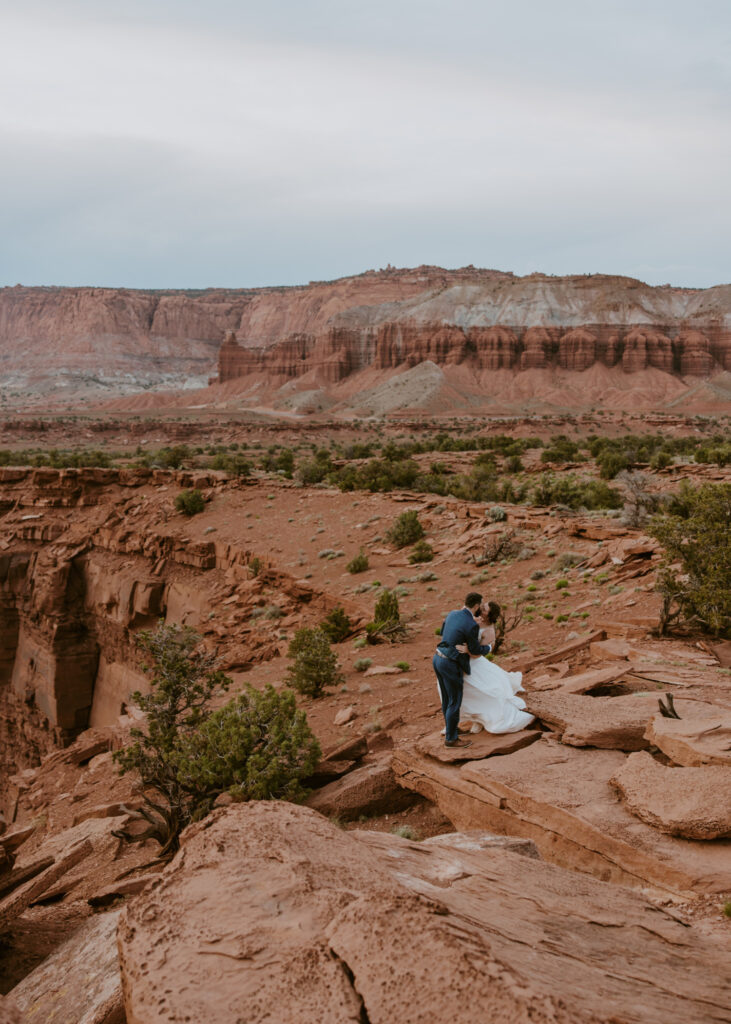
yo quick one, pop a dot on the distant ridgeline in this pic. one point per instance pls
(483, 319)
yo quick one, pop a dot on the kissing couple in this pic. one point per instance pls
(472, 689)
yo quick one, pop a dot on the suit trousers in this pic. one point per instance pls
(449, 677)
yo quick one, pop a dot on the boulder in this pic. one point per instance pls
(366, 791)
(79, 982)
(607, 650)
(693, 741)
(371, 927)
(612, 723)
(694, 803)
(345, 715)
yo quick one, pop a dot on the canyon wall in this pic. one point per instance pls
(341, 351)
(88, 557)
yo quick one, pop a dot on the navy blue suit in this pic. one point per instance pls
(459, 627)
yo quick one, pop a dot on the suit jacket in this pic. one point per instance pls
(460, 627)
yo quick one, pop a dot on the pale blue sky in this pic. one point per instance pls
(170, 143)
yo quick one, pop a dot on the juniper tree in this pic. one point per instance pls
(695, 578)
(386, 622)
(406, 530)
(188, 754)
(337, 625)
(315, 664)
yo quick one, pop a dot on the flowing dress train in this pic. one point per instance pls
(490, 698)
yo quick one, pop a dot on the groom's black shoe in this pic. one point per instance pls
(458, 743)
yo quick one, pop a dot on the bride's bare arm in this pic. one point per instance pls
(464, 649)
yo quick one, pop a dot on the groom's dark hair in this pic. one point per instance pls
(472, 599)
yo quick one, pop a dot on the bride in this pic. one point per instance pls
(489, 697)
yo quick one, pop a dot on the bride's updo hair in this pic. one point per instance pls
(493, 612)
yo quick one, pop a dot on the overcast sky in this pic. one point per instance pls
(183, 143)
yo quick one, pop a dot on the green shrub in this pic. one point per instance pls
(358, 564)
(337, 625)
(661, 460)
(256, 746)
(235, 465)
(611, 463)
(561, 584)
(315, 664)
(362, 664)
(386, 619)
(497, 514)
(190, 503)
(561, 449)
(403, 665)
(421, 552)
(407, 832)
(406, 530)
(387, 609)
(696, 535)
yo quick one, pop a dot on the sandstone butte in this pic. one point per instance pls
(452, 336)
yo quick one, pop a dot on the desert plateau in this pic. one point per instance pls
(231, 526)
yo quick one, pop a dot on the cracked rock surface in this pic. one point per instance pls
(271, 913)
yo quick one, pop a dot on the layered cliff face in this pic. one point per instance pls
(487, 323)
(341, 351)
(87, 341)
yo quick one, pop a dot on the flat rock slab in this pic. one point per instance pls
(691, 802)
(270, 913)
(79, 982)
(367, 791)
(581, 682)
(475, 841)
(484, 744)
(561, 798)
(692, 741)
(611, 723)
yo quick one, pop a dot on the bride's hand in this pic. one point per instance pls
(462, 648)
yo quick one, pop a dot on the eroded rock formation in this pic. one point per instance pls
(338, 352)
(56, 338)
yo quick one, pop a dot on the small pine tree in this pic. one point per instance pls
(387, 611)
(386, 624)
(315, 665)
(359, 563)
(337, 625)
(257, 746)
(406, 530)
(421, 552)
(190, 503)
(696, 534)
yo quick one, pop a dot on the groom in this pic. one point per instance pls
(459, 630)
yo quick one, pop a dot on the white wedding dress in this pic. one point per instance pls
(490, 699)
